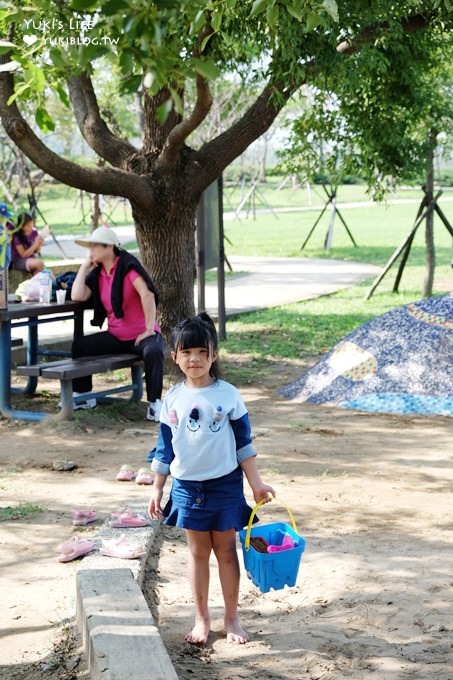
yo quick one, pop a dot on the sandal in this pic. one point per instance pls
(144, 476)
(128, 518)
(116, 547)
(82, 516)
(126, 474)
(75, 547)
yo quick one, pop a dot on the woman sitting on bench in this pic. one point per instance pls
(122, 292)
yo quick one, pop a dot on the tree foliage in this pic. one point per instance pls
(154, 49)
(381, 110)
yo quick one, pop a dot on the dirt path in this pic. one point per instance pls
(371, 494)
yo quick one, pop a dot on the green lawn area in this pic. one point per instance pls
(305, 329)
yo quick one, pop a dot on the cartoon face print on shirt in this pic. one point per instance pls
(173, 418)
(194, 419)
(214, 425)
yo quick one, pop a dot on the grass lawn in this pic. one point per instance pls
(298, 331)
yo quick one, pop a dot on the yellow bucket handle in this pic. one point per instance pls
(254, 511)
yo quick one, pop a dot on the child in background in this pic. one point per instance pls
(26, 245)
(205, 443)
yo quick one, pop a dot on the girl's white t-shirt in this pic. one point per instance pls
(203, 440)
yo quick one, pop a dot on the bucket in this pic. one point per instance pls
(276, 569)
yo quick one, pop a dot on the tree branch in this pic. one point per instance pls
(414, 23)
(99, 181)
(93, 128)
(180, 132)
(216, 155)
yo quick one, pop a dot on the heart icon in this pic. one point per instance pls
(30, 39)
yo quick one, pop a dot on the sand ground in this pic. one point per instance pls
(372, 494)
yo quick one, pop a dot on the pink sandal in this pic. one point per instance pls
(144, 476)
(75, 547)
(126, 474)
(128, 518)
(116, 547)
(82, 516)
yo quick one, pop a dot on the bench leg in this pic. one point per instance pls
(67, 403)
(137, 382)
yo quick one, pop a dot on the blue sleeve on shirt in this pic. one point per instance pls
(243, 436)
(164, 451)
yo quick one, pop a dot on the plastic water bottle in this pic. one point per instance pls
(44, 287)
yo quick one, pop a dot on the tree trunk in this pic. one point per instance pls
(166, 240)
(429, 229)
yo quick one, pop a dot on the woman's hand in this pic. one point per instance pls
(142, 336)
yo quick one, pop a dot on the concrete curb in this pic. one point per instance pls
(120, 638)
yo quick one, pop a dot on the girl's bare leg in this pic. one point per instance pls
(200, 546)
(224, 545)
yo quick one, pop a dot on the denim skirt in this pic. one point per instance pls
(211, 505)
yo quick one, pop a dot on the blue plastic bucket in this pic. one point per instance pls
(272, 570)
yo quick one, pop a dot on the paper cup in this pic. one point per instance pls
(61, 296)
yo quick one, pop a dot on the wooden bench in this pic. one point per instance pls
(65, 370)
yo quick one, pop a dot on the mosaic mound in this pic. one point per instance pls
(400, 362)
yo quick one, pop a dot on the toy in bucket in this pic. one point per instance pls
(272, 552)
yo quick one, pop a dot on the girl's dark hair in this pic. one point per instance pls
(198, 331)
(22, 219)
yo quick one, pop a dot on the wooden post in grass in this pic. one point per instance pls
(426, 208)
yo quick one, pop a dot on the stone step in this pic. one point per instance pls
(121, 640)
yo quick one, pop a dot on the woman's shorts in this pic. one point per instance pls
(212, 505)
(21, 263)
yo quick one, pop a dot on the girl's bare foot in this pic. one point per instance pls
(199, 633)
(235, 632)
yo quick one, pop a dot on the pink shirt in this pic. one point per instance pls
(133, 322)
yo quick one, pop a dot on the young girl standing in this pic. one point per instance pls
(205, 443)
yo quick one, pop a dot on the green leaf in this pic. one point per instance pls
(91, 52)
(131, 84)
(313, 20)
(36, 76)
(177, 101)
(5, 46)
(63, 95)
(198, 22)
(57, 58)
(331, 8)
(111, 7)
(258, 7)
(80, 5)
(205, 41)
(216, 20)
(207, 69)
(18, 91)
(294, 11)
(126, 61)
(44, 120)
(272, 13)
(163, 110)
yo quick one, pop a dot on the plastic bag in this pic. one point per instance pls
(28, 290)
